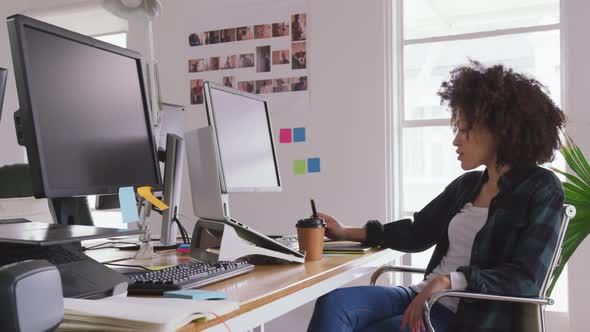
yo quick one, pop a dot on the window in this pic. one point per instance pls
(119, 39)
(439, 35)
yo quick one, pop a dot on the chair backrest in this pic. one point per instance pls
(529, 317)
(567, 212)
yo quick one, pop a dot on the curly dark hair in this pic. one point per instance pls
(523, 119)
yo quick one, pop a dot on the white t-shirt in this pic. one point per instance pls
(462, 230)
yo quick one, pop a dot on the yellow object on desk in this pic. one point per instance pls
(146, 192)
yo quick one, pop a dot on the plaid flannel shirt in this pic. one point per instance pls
(511, 253)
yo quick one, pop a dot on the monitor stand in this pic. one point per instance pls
(221, 241)
(215, 227)
(70, 211)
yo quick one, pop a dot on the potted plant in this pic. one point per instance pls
(577, 193)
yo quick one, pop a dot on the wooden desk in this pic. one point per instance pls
(273, 290)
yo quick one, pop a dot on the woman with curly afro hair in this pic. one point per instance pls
(494, 231)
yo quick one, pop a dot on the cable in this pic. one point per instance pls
(183, 233)
(100, 245)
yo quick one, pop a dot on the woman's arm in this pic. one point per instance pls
(336, 231)
(428, 224)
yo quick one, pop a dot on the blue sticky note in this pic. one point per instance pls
(299, 134)
(196, 294)
(128, 205)
(313, 165)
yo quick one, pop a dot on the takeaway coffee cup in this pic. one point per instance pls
(310, 233)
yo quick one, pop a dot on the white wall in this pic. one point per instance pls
(576, 52)
(344, 119)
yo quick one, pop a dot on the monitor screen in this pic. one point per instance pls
(244, 139)
(85, 118)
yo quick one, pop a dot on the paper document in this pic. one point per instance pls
(139, 314)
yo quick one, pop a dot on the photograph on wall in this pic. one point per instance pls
(299, 83)
(244, 33)
(196, 92)
(228, 35)
(229, 81)
(262, 31)
(193, 65)
(281, 85)
(246, 86)
(280, 29)
(196, 39)
(262, 59)
(229, 62)
(201, 65)
(212, 37)
(280, 57)
(246, 60)
(298, 27)
(263, 86)
(298, 55)
(213, 63)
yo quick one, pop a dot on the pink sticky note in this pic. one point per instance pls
(285, 135)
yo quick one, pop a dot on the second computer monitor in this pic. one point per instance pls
(243, 133)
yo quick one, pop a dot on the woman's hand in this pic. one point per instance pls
(413, 314)
(334, 229)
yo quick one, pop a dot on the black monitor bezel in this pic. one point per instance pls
(28, 124)
(3, 76)
(207, 86)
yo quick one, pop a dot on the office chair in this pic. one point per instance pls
(16, 181)
(529, 313)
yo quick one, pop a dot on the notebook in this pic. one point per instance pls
(344, 247)
(139, 314)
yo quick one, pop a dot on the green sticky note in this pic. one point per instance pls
(300, 167)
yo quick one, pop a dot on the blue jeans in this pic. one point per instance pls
(368, 309)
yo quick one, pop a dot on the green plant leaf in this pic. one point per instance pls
(577, 193)
(574, 179)
(574, 161)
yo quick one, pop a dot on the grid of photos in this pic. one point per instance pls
(297, 27)
(262, 59)
(276, 85)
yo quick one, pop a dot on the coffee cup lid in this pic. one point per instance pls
(311, 223)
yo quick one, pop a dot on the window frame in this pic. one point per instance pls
(396, 119)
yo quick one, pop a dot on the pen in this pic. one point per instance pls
(315, 212)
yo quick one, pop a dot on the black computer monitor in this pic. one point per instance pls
(243, 139)
(3, 74)
(84, 116)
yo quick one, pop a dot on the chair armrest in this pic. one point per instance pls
(394, 268)
(478, 296)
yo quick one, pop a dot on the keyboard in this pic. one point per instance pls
(290, 241)
(183, 276)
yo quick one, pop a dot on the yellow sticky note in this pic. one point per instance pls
(146, 192)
